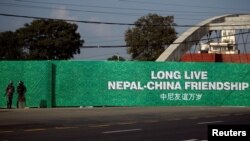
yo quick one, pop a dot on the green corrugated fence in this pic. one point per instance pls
(36, 75)
(103, 83)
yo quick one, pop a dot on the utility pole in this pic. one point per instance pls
(118, 57)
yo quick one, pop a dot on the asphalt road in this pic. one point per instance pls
(116, 124)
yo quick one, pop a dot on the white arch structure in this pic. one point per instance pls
(182, 44)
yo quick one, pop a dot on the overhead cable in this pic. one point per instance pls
(114, 23)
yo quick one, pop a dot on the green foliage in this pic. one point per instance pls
(41, 40)
(10, 46)
(116, 58)
(50, 39)
(151, 34)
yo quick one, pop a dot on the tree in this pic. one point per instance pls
(151, 34)
(116, 58)
(10, 46)
(50, 39)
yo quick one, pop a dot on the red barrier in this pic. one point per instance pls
(233, 58)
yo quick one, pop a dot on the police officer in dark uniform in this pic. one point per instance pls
(9, 93)
(21, 90)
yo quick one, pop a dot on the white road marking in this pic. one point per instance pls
(191, 140)
(119, 131)
(223, 115)
(33, 130)
(194, 140)
(126, 123)
(209, 122)
(6, 132)
(60, 128)
(99, 125)
(151, 121)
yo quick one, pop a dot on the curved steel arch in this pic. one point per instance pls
(182, 44)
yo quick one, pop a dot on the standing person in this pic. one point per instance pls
(21, 90)
(9, 93)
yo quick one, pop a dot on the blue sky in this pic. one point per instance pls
(121, 11)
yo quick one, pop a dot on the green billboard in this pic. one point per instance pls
(152, 84)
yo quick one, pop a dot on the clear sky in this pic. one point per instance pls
(186, 12)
